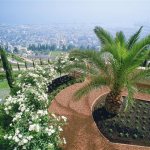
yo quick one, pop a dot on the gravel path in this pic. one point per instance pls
(81, 132)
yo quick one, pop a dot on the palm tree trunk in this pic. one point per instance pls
(113, 102)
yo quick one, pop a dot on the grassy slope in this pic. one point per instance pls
(3, 84)
(17, 58)
(4, 89)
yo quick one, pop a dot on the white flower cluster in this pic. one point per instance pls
(63, 56)
(42, 112)
(64, 118)
(61, 61)
(59, 117)
(29, 111)
(34, 127)
(24, 101)
(19, 138)
(50, 130)
(40, 77)
(17, 116)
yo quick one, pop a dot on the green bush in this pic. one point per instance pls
(121, 134)
(32, 126)
(127, 135)
(110, 130)
(135, 136)
(2, 76)
(2, 141)
(4, 125)
(138, 111)
(145, 112)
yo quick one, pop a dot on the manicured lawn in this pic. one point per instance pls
(131, 126)
(4, 89)
(3, 84)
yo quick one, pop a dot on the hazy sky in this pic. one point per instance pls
(117, 12)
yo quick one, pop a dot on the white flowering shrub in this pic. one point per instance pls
(60, 62)
(32, 126)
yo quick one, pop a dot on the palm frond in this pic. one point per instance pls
(134, 64)
(142, 44)
(80, 67)
(91, 56)
(131, 91)
(134, 38)
(120, 39)
(141, 74)
(96, 82)
(112, 49)
(138, 53)
(103, 36)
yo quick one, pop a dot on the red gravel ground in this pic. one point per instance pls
(81, 132)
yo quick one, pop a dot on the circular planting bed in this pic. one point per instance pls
(130, 127)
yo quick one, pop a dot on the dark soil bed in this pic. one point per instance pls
(129, 127)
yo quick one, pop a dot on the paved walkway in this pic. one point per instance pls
(81, 132)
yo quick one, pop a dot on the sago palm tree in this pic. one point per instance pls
(119, 71)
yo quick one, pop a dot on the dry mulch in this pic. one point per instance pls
(81, 132)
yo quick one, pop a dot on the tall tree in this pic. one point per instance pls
(7, 67)
(116, 66)
(26, 66)
(18, 66)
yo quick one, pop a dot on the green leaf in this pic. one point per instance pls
(103, 36)
(134, 38)
(95, 82)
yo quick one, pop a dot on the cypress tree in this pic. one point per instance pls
(26, 65)
(48, 61)
(33, 63)
(41, 63)
(7, 67)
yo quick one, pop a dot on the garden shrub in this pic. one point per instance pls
(60, 63)
(4, 125)
(32, 126)
(135, 136)
(2, 76)
(127, 135)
